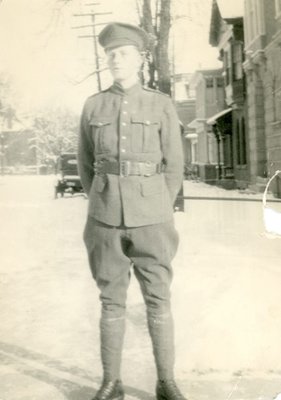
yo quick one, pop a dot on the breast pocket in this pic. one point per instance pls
(102, 133)
(145, 134)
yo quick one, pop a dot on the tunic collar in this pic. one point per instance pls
(118, 89)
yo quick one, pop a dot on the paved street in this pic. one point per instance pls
(226, 300)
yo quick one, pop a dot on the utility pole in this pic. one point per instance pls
(94, 35)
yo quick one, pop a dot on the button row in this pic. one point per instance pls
(124, 124)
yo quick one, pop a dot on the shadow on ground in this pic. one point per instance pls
(65, 379)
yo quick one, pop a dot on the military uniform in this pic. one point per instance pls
(136, 125)
(131, 166)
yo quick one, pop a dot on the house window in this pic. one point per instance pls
(227, 67)
(277, 104)
(220, 82)
(254, 19)
(237, 61)
(238, 142)
(209, 82)
(241, 142)
(278, 8)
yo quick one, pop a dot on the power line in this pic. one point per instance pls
(94, 36)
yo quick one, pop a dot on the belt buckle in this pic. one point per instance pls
(124, 168)
(148, 168)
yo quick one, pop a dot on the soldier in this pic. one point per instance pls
(131, 166)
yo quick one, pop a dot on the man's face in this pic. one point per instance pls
(124, 62)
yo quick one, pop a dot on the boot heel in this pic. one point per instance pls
(167, 389)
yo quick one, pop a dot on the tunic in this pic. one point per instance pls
(138, 125)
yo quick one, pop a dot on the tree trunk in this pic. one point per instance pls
(147, 24)
(162, 57)
(160, 29)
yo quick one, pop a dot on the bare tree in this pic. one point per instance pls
(158, 27)
(162, 57)
(155, 18)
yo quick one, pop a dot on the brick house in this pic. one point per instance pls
(209, 89)
(263, 71)
(230, 125)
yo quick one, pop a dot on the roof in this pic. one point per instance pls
(231, 8)
(205, 73)
(216, 71)
(224, 11)
(214, 118)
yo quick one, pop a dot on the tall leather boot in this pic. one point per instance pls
(111, 336)
(161, 329)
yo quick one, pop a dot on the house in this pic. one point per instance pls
(230, 124)
(263, 70)
(209, 88)
(184, 98)
(15, 139)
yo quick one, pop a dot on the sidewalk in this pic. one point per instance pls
(197, 188)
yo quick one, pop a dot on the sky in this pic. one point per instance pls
(44, 56)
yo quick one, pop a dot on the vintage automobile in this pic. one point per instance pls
(69, 181)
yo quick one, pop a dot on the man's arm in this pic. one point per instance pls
(85, 152)
(172, 149)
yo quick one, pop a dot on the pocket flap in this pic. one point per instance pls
(146, 120)
(99, 183)
(100, 121)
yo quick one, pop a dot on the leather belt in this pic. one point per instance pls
(127, 168)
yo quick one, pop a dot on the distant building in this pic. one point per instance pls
(209, 89)
(184, 97)
(182, 89)
(263, 71)
(15, 149)
(230, 126)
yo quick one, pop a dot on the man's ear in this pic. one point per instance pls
(142, 55)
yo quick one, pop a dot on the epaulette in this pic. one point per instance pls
(155, 91)
(98, 93)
